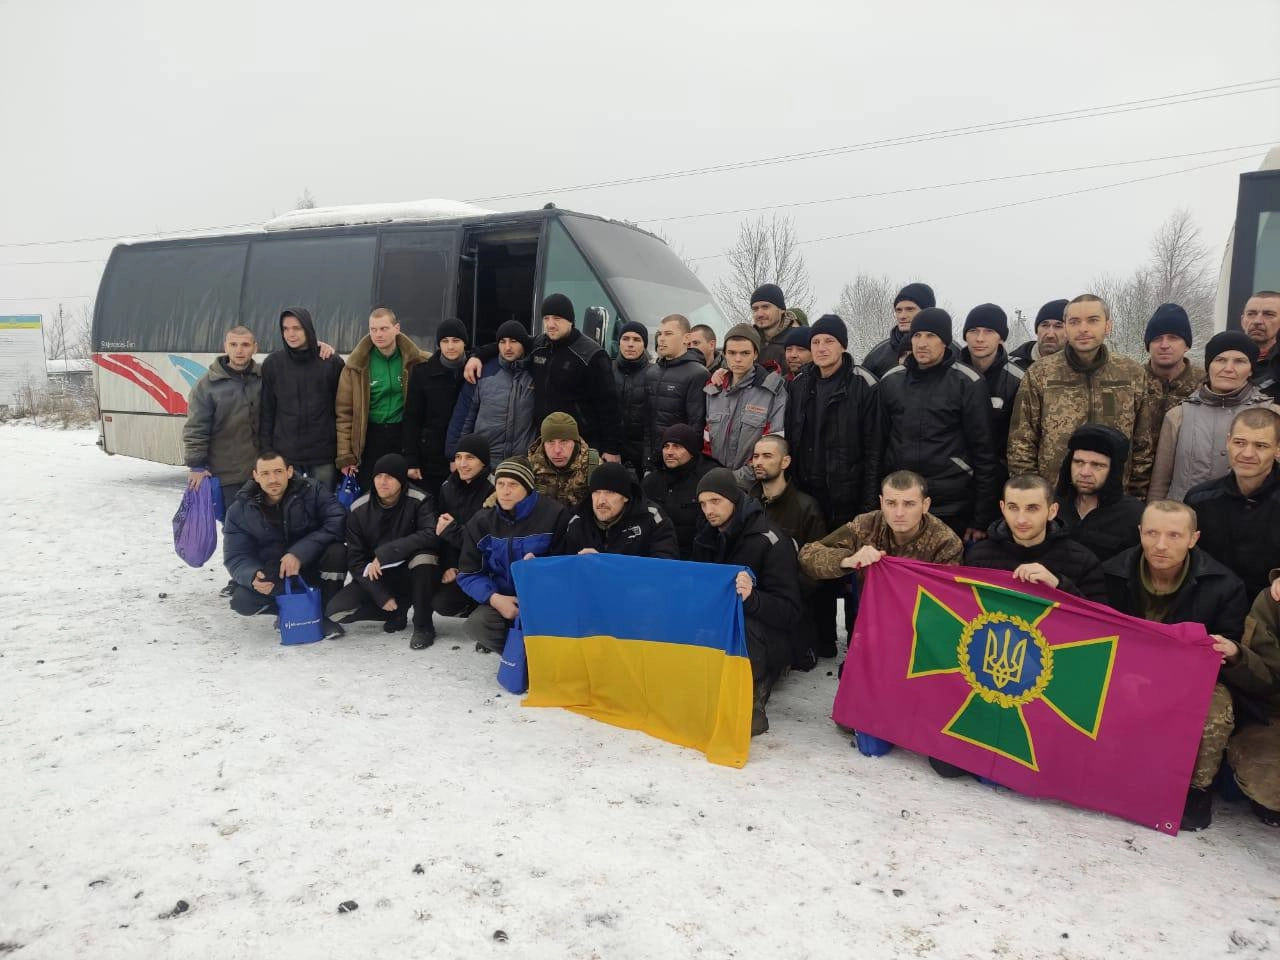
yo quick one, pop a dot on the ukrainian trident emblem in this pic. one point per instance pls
(1008, 662)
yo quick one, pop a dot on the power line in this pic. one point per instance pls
(64, 296)
(954, 183)
(1082, 113)
(40, 263)
(122, 236)
(1003, 206)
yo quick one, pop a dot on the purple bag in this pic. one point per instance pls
(195, 533)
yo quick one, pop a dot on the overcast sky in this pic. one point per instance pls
(131, 117)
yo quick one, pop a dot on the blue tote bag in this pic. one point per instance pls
(513, 668)
(348, 491)
(300, 613)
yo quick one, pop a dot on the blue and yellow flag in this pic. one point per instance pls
(652, 645)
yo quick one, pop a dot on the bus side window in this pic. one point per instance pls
(415, 279)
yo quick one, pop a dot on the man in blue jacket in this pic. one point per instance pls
(521, 525)
(279, 526)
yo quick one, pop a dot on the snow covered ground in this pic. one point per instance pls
(157, 748)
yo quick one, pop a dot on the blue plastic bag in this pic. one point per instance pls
(348, 491)
(219, 506)
(300, 613)
(870, 746)
(513, 668)
(195, 533)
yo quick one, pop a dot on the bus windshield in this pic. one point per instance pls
(644, 273)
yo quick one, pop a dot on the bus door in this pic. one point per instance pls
(496, 279)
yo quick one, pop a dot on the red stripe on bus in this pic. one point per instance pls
(143, 375)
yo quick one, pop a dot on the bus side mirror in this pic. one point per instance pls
(594, 322)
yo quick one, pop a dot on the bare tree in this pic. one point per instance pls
(306, 201)
(866, 306)
(766, 251)
(1179, 270)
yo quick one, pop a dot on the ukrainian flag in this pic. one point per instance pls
(652, 645)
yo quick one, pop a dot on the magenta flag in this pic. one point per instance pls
(1042, 692)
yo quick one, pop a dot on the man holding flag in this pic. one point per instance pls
(1166, 580)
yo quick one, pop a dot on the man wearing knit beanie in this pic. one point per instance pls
(672, 484)
(561, 460)
(392, 555)
(434, 389)
(462, 496)
(1193, 438)
(630, 382)
(772, 320)
(1085, 382)
(520, 525)
(985, 330)
(1049, 332)
(796, 347)
(936, 418)
(499, 406)
(744, 404)
(888, 353)
(1171, 376)
(737, 532)
(615, 517)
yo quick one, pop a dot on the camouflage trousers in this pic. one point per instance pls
(1217, 731)
(1254, 755)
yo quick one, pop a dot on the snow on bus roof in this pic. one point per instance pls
(374, 213)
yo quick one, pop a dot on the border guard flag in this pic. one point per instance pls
(1045, 693)
(652, 645)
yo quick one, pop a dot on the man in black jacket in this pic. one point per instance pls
(833, 427)
(393, 555)
(1260, 321)
(888, 353)
(936, 421)
(1166, 580)
(737, 532)
(630, 381)
(1031, 544)
(279, 526)
(615, 517)
(1240, 513)
(298, 392)
(1051, 333)
(985, 330)
(433, 391)
(674, 385)
(1092, 504)
(672, 484)
(462, 495)
(571, 374)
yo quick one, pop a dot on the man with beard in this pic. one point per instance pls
(561, 461)
(433, 391)
(737, 532)
(1092, 504)
(615, 517)
(798, 354)
(1050, 331)
(499, 406)
(772, 321)
(1260, 321)
(673, 482)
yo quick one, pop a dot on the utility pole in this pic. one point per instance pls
(62, 332)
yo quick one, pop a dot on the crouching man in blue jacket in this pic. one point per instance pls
(281, 525)
(520, 525)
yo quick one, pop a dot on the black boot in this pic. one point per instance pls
(228, 590)
(948, 770)
(1198, 813)
(423, 636)
(759, 719)
(396, 621)
(332, 629)
(1268, 816)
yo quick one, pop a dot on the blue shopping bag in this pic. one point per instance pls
(195, 534)
(348, 491)
(870, 746)
(513, 668)
(301, 615)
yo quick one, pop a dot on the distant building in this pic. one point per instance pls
(22, 369)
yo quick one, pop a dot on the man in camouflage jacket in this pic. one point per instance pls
(561, 460)
(1082, 383)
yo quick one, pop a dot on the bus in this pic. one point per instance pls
(1251, 261)
(164, 305)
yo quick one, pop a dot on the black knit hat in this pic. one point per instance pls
(933, 320)
(685, 435)
(557, 305)
(1230, 340)
(394, 465)
(832, 326)
(921, 294)
(639, 329)
(476, 445)
(518, 469)
(514, 330)
(613, 477)
(801, 337)
(452, 328)
(990, 317)
(1051, 311)
(720, 481)
(1168, 318)
(770, 293)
